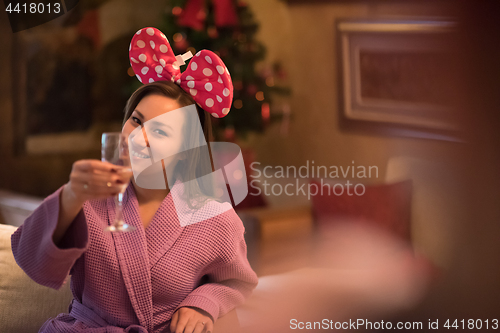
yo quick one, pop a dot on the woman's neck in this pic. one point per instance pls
(146, 195)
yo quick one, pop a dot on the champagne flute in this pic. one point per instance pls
(114, 150)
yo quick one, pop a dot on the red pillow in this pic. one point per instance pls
(385, 205)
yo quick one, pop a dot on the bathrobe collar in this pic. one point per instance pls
(138, 251)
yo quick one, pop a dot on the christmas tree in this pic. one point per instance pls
(228, 28)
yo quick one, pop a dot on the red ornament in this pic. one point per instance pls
(280, 71)
(282, 74)
(265, 112)
(89, 27)
(242, 38)
(251, 47)
(285, 124)
(229, 134)
(266, 72)
(252, 89)
(238, 85)
(194, 14)
(201, 15)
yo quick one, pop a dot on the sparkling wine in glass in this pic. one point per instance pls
(114, 150)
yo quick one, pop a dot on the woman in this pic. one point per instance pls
(162, 277)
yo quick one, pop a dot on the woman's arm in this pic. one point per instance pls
(35, 251)
(69, 208)
(231, 278)
(49, 242)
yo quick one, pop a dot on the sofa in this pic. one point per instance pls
(25, 305)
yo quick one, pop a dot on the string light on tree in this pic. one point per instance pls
(178, 37)
(180, 42)
(212, 32)
(270, 81)
(177, 11)
(238, 104)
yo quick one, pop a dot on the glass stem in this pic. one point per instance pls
(119, 209)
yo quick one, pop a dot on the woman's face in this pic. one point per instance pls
(154, 132)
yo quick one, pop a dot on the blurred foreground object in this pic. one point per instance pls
(356, 271)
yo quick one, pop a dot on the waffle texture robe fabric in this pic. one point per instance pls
(135, 281)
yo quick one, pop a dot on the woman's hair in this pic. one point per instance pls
(198, 161)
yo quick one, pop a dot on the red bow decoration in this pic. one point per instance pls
(206, 79)
(193, 14)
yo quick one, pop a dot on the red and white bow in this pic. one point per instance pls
(206, 78)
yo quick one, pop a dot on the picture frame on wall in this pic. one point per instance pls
(397, 76)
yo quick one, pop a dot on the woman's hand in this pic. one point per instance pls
(89, 179)
(93, 179)
(191, 320)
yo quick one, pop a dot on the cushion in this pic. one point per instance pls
(25, 305)
(385, 205)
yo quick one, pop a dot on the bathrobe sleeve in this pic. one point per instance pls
(230, 278)
(35, 252)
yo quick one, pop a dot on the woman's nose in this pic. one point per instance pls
(139, 138)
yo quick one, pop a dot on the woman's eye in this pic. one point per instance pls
(136, 120)
(160, 132)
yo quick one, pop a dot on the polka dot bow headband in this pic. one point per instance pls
(206, 78)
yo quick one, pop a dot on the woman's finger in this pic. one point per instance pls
(190, 325)
(91, 184)
(91, 189)
(200, 327)
(181, 324)
(173, 321)
(125, 172)
(98, 179)
(209, 327)
(94, 165)
(86, 188)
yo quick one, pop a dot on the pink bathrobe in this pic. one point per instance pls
(135, 281)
